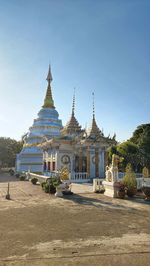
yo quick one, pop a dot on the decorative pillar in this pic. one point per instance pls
(48, 166)
(51, 160)
(105, 159)
(88, 162)
(96, 162)
(44, 167)
(80, 160)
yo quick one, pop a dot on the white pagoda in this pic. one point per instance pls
(46, 126)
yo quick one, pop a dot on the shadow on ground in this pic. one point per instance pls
(100, 203)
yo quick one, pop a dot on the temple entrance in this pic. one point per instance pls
(80, 164)
(76, 166)
(84, 164)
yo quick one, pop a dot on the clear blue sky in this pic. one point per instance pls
(93, 45)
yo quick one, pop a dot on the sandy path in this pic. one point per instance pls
(82, 229)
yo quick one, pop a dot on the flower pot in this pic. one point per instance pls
(121, 194)
(146, 191)
(59, 191)
(131, 192)
(52, 189)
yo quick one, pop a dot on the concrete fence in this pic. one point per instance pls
(79, 177)
(41, 178)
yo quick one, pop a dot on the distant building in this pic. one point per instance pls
(49, 147)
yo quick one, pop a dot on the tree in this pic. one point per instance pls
(8, 151)
(129, 152)
(141, 137)
(136, 150)
(112, 150)
(139, 133)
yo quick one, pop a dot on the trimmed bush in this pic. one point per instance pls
(22, 178)
(11, 171)
(50, 185)
(34, 180)
(129, 181)
(49, 188)
(43, 185)
(17, 175)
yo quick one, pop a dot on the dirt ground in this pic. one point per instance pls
(81, 229)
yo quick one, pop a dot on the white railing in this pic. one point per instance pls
(41, 178)
(79, 177)
(121, 175)
(139, 179)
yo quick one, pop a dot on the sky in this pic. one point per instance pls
(99, 46)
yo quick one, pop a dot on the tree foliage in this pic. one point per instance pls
(129, 152)
(136, 150)
(8, 150)
(141, 137)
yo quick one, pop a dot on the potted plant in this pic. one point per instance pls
(146, 190)
(120, 188)
(22, 176)
(51, 184)
(49, 188)
(34, 180)
(129, 181)
(146, 187)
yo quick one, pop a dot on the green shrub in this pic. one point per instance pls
(49, 188)
(34, 180)
(17, 175)
(22, 177)
(55, 181)
(129, 180)
(43, 185)
(46, 187)
(11, 172)
(50, 185)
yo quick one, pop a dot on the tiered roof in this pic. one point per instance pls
(72, 127)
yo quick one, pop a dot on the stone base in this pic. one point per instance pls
(59, 191)
(59, 194)
(110, 190)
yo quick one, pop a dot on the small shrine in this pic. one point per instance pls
(112, 178)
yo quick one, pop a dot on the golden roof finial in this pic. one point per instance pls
(49, 75)
(48, 101)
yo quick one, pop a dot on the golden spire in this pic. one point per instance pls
(48, 101)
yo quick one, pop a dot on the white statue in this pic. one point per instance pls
(112, 171)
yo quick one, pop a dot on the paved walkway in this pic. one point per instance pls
(24, 188)
(82, 188)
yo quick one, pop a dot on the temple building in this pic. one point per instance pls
(50, 147)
